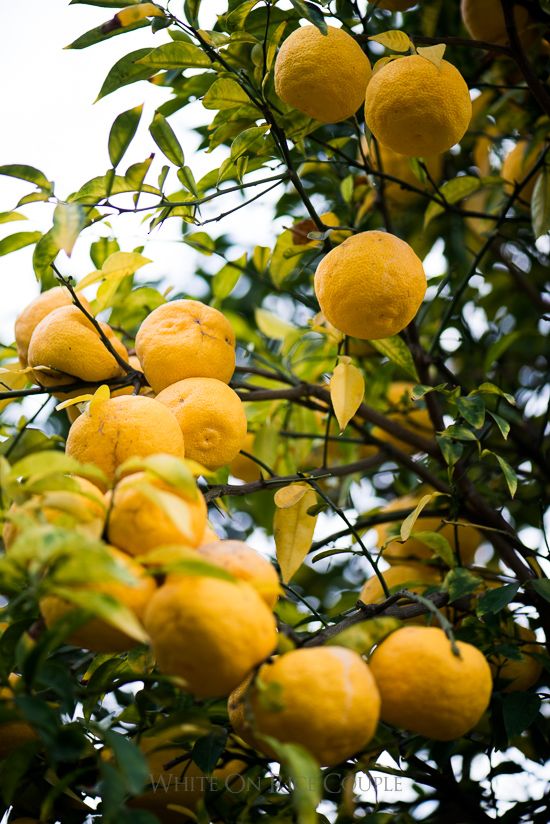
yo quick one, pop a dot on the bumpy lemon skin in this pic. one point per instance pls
(122, 428)
(425, 688)
(96, 634)
(185, 339)
(35, 311)
(416, 108)
(323, 76)
(245, 563)
(68, 344)
(324, 698)
(518, 674)
(211, 416)
(370, 286)
(138, 525)
(484, 20)
(209, 632)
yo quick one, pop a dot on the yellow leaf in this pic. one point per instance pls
(136, 13)
(396, 40)
(173, 506)
(347, 388)
(172, 470)
(433, 53)
(410, 520)
(73, 402)
(290, 495)
(102, 394)
(293, 529)
(271, 325)
(117, 266)
(13, 377)
(384, 61)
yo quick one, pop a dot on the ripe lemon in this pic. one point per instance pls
(67, 343)
(516, 166)
(37, 309)
(323, 76)
(403, 410)
(416, 108)
(323, 698)
(211, 416)
(97, 635)
(415, 577)
(182, 783)
(209, 632)
(427, 689)
(484, 20)
(370, 286)
(138, 522)
(469, 538)
(518, 674)
(81, 508)
(109, 433)
(243, 468)
(246, 564)
(302, 228)
(209, 535)
(185, 339)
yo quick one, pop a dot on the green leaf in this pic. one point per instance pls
(104, 32)
(207, 750)
(191, 10)
(68, 222)
(458, 433)
(519, 711)
(224, 93)
(499, 347)
(125, 71)
(394, 39)
(271, 325)
(460, 582)
(200, 241)
(249, 141)
(452, 191)
(495, 600)
(472, 410)
(122, 133)
(27, 173)
(176, 55)
(105, 607)
(45, 253)
(540, 204)
(305, 775)
(235, 20)
(8, 217)
(132, 764)
(18, 241)
(509, 474)
(502, 424)
(187, 178)
(439, 544)
(541, 587)
(51, 462)
(101, 249)
(398, 352)
(163, 135)
(451, 450)
(227, 278)
(311, 13)
(491, 389)
(347, 187)
(99, 188)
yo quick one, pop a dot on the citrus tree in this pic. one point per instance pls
(274, 550)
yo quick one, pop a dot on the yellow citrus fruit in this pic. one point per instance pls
(427, 689)
(211, 416)
(516, 166)
(370, 286)
(209, 535)
(185, 339)
(396, 5)
(73, 412)
(96, 634)
(301, 230)
(416, 108)
(80, 507)
(243, 468)
(399, 166)
(14, 732)
(68, 345)
(182, 783)
(112, 431)
(323, 698)
(518, 674)
(403, 410)
(209, 632)
(37, 309)
(469, 538)
(484, 20)
(245, 563)
(145, 513)
(323, 76)
(414, 577)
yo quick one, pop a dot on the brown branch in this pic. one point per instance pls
(536, 87)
